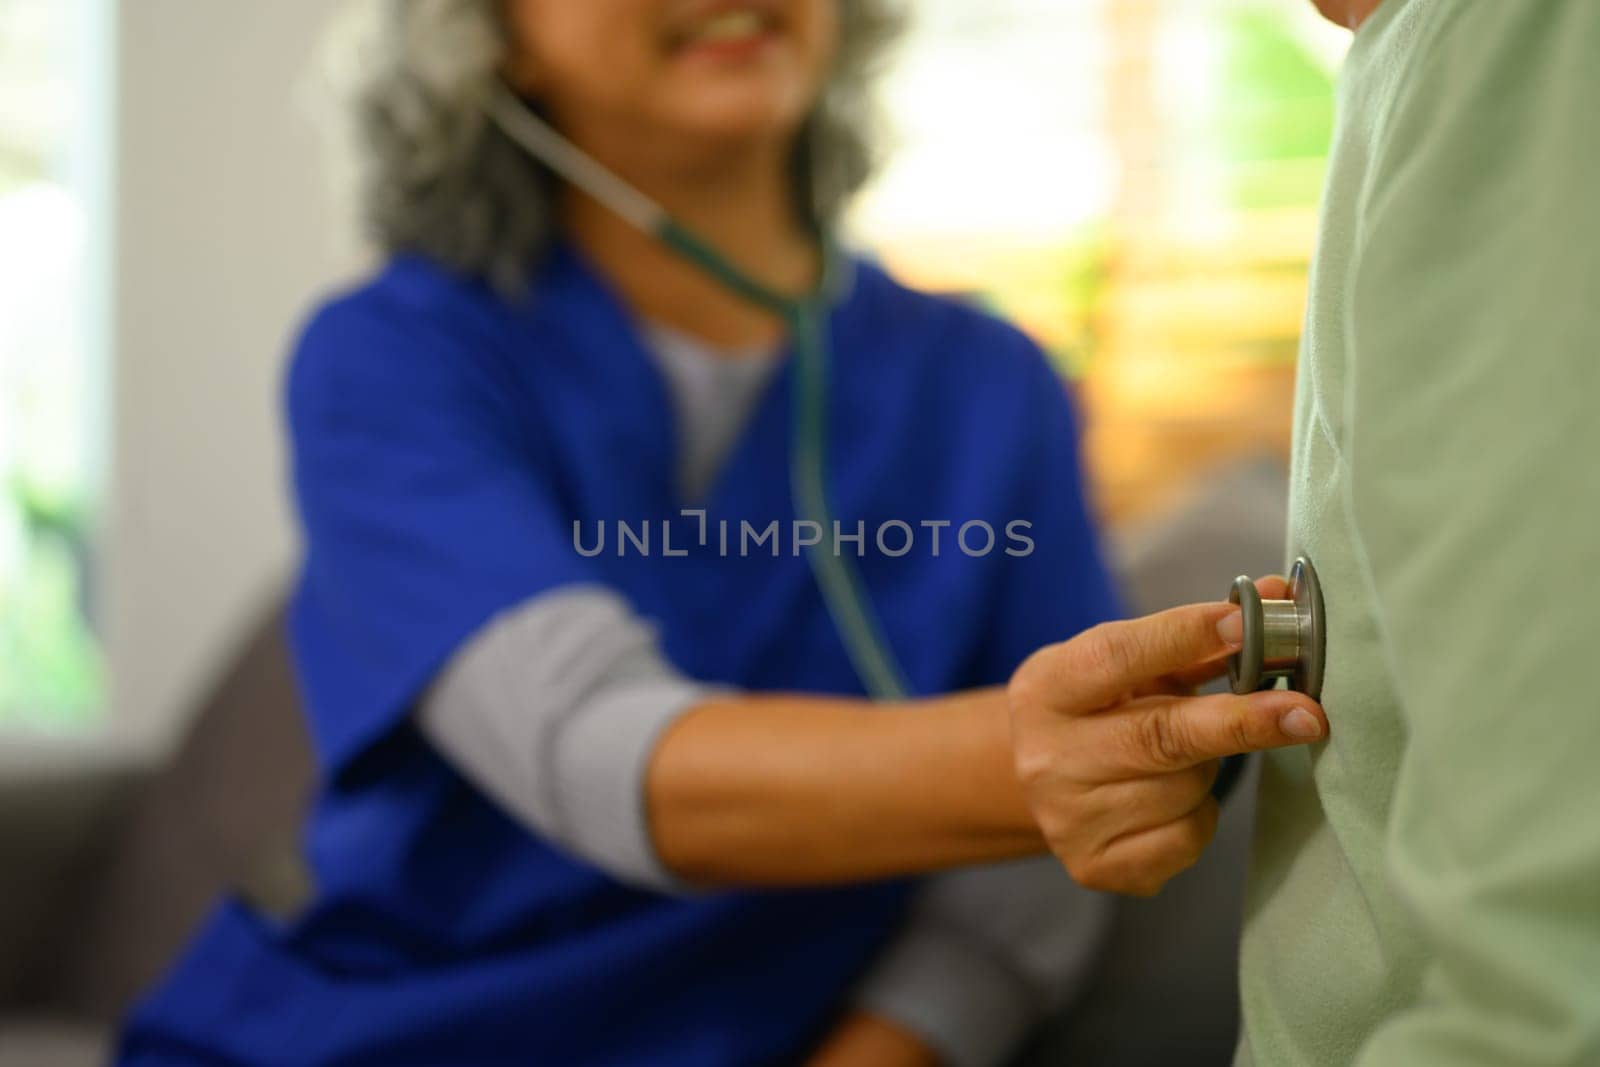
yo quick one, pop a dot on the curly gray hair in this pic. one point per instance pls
(437, 177)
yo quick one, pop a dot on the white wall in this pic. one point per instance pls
(226, 230)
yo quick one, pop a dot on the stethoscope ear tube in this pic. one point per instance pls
(806, 317)
(837, 577)
(839, 580)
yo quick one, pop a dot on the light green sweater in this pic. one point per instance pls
(1425, 887)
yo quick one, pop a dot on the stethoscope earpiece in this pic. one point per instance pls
(1282, 638)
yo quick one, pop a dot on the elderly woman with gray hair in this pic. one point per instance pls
(629, 800)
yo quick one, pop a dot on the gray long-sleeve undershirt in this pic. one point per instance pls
(554, 708)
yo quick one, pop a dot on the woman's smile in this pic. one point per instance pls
(728, 32)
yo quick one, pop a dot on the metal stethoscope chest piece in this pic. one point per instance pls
(1282, 638)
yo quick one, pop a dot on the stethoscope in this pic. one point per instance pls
(1282, 638)
(805, 317)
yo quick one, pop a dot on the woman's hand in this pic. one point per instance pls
(1095, 749)
(1117, 758)
(861, 1039)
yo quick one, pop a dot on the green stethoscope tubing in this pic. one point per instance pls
(805, 319)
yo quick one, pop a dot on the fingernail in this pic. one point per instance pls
(1298, 722)
(1231, 629)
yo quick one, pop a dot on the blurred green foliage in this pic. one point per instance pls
(50, 669)
(1275, 121)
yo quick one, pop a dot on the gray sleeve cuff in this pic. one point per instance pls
(553, 710)
(985, 955)
(598, 765)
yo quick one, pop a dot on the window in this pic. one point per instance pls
(54, 145)
(1135, 182)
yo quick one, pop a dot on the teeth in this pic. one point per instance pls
(729, 26)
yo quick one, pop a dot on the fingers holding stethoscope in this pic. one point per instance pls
(1118, 777)
(1184, 681)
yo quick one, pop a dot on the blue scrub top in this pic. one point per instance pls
(445, 442)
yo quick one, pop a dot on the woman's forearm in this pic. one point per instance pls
(786, 790)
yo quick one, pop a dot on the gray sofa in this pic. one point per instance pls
(104, 869)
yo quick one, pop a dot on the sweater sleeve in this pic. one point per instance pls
(985, 955)
(1475, 490)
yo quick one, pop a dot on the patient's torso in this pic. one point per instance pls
(1423, 883)
(1326, 950)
